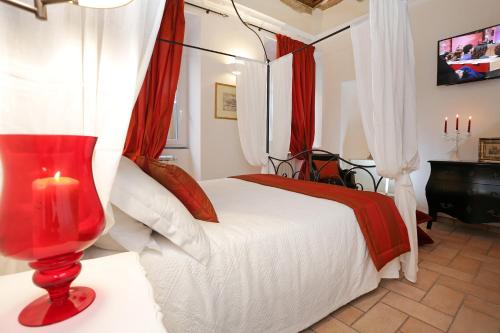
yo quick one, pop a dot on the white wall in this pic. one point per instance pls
(431, 20)
(338, 66)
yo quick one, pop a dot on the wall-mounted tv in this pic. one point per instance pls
(469, 57)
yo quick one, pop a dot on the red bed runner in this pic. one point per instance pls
(378, 218)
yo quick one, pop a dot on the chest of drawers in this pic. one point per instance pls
(468, 191)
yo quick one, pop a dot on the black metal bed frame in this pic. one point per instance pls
(289, 168)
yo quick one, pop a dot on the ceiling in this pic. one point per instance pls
(306, 6)
(311, 3)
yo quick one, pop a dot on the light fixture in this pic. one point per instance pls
(40, 10)
(234, 65)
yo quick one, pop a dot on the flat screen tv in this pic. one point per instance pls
(469, 57)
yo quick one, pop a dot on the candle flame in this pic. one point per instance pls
(57, 175)
(470, 117)
(445, 118)
(457, 115)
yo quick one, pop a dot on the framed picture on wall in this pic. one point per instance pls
(489, 150)
(225, 101)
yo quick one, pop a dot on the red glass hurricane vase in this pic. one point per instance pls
(49, 213)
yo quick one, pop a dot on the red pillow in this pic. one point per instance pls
(330, 170)
(182, 185)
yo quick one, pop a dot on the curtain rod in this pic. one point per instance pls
(322, 39)
(205, 49)
(263, 29)
(208, 11)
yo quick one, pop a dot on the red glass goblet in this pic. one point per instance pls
(49, 213)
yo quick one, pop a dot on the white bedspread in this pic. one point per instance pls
(280, 261)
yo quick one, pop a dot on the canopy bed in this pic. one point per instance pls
(284, 253)
(279, 254)
(277, 261)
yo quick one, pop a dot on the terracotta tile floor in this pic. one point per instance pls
(458, 289)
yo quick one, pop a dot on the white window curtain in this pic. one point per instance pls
(252, 109)
(385, 76)
(251, 101)
(281, 106)
(79, 73)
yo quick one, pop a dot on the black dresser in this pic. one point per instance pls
(468, 191)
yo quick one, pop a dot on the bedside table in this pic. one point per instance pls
(124, 301)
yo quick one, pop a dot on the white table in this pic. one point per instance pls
(124, 301)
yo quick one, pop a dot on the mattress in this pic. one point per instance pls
(280, 261)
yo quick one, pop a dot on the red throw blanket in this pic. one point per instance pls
(378, 218)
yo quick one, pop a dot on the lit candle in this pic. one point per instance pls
(456, 122)
(468, 126)
(55, 201)
(445, 125)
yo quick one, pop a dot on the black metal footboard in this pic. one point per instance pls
(303, 166)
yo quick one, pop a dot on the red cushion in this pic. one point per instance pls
(182, 185)
(330, 170)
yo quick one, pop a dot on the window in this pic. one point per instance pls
(178, 131)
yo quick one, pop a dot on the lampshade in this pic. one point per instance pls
(49, 213)
(101, 3)
(40, 6)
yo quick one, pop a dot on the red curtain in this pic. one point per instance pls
(150, 120)
(303, 90)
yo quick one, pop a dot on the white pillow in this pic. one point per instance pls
(127, 234)
(147, 201)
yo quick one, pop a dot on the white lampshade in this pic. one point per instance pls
(101, 3)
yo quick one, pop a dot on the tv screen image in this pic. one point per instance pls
(469, 57)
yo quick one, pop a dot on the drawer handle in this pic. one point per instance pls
(493, 213)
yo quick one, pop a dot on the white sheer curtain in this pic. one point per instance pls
(251, 101)
(79, 72)
(252, 110)
(281, 106)
(385, 76)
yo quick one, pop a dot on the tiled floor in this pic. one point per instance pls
(458, 289)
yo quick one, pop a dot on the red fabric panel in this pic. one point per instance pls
(303, 92)
(385, 233)
(422, 217)
(182, 185)
(150, 120)
(422, 236)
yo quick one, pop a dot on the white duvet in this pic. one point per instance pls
(280, 261)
